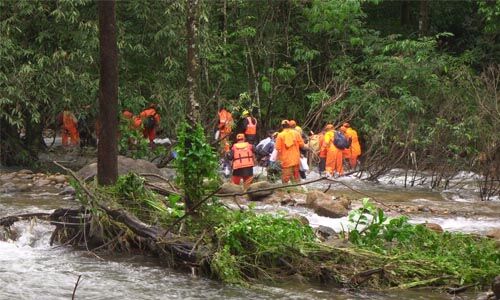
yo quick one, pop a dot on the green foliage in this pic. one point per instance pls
(250, 242)
(131, 193)
(469, 258)
(132, 142)
(195, 162)
(491, 12)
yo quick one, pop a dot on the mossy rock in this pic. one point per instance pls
(256, 186)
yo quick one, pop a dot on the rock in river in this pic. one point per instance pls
(125, 165)
(256, 186)
(230, 188)
(325, 206)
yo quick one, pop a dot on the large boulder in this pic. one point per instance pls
(125, 165)
(325, 206)
(230, 188)
(434, 227)
(313, 196)
(257, 186)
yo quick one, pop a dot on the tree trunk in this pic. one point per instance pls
(193, 112)
(193, 109)
(423, 22)
(107, 150)
(405, 13)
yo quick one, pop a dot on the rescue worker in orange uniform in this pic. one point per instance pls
(69, 128)
(150, 121)
(242, 156)
(322, 150)
(225, 127)
(334, 165)
(288, 144)
(250, 127)
(354, 151)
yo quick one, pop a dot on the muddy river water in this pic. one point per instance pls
(32, 269)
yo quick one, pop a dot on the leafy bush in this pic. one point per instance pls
(195, 162)
(471, 259)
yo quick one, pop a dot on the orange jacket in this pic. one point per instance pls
(355, 146)
(150, 112)
(251, 126)
(242, 155)
(136, 122)
(127, 114)
(288, 144)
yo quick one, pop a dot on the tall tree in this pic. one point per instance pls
(405, 13)
(423, 22)
(192, 61)
(107, 151)
(193, 106)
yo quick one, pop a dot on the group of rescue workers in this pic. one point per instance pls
(285, 149)
(72, 128)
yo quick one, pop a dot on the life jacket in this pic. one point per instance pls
(251, 127)
(242, 155)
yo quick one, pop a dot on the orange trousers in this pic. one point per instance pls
(334, 161)
(352, 158)
(247, 180)
(290, 173)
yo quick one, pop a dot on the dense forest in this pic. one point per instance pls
(416, 78)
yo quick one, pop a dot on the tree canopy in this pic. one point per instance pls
(430, 90)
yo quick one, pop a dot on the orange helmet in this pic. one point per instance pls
(292, 123)
(346, 125)
(240, 137)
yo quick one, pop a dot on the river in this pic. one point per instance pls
(32, 269)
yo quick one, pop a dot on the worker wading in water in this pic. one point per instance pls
(242, 156)
(354, 151)
(333, 154)
(69, 128)
(288, 145)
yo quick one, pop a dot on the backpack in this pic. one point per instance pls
(149, 122)
(340, 141)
